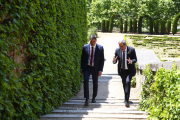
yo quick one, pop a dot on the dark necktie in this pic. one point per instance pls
(91, 61)
(123, 62)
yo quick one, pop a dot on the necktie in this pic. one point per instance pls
(91, 56)
(123, 63)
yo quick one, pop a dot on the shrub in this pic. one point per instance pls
(103, 25)
(92, 31)
(107, 25)
(139, 26)
(134, 26)
(52, 34)
(130, 25)
(168, 26)
(156, 26)
(163, 22)
(125, 26)
(121, 25)
(175, 20)
(111, 23)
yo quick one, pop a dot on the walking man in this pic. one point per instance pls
(92, 62)
(126, 57)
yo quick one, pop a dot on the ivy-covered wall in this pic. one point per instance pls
(50, 34)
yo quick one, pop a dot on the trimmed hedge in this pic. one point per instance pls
(162, 22)
(107, 25)
(103, 25)
(130, 25)
(125, 26)
(140, 23)
(156, 26)
(168, 26)
(53, 32)
(175, 20)
(134, 26)
(111, 23)
(121, 25)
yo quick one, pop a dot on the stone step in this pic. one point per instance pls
(104, 101)
(86, 108)
(91, 117)
(99, 105)
(99, 111)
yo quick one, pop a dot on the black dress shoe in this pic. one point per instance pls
(93, 100)
(86, 102)
(127, 104)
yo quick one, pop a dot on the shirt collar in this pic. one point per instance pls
(93, 46)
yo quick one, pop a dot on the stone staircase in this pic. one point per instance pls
(109, 104)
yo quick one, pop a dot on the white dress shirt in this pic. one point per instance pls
(125, 58)
(89, 59)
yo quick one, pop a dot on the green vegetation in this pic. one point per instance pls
(52, 33)
(165, 47)
(160, 94)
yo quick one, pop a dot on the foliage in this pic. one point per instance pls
(107, 25)
(53, 33)
(111, 23)
(121, 25)
(92, 31)
(168, 26)
(162, 22)
(161, 94)
(103, 25)
(175, 20)
(125, 26)
(134, 26)
(133, 81)
(156, 26)
(130, 25)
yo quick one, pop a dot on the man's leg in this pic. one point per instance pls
(95, 84)
(86, 82)
(128, 86)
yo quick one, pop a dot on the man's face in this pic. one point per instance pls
(93, 42)
(122, 46)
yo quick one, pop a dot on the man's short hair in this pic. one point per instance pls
(92, 37)
(122, 40)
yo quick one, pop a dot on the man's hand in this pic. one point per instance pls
(114, 59)
(82, 73)
(100, 73)
(129, 61)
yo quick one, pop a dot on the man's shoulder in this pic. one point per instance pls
(99, 46)
(86, 45)
(131, 48)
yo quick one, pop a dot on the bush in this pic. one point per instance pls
(125, 26)
(111, 23)
(134, 26)
(107, 25)
(160, 94)
(163, 22)
(175, 20)
(130, 25)
(168, 26)
(52, 33)
(140, 25)
(121, 25)
(103, 25)
(156, 26)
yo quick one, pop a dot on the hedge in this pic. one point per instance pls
(125, 26)
(111, 23)
(130, 25)
(103, 25)
(107, 25)
(168, 26)
(121, 25)
(134, 26)
(53, 33)
(175, 21)
(160, 94)
(162, 22)
(156, 26)
(140, 23)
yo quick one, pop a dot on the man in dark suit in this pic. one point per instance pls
(126, 57)
(92, 62)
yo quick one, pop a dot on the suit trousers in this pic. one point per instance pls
(87, 72)
(126, 80)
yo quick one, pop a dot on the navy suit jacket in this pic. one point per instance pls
(98, 57)
(130, 54)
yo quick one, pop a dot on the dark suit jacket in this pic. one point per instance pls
(98, 57)
(130, 54)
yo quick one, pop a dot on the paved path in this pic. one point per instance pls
(110, 99)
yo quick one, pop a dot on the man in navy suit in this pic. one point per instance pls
(126, 57)
(92, 62)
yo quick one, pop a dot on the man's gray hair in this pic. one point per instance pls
(122, 40)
